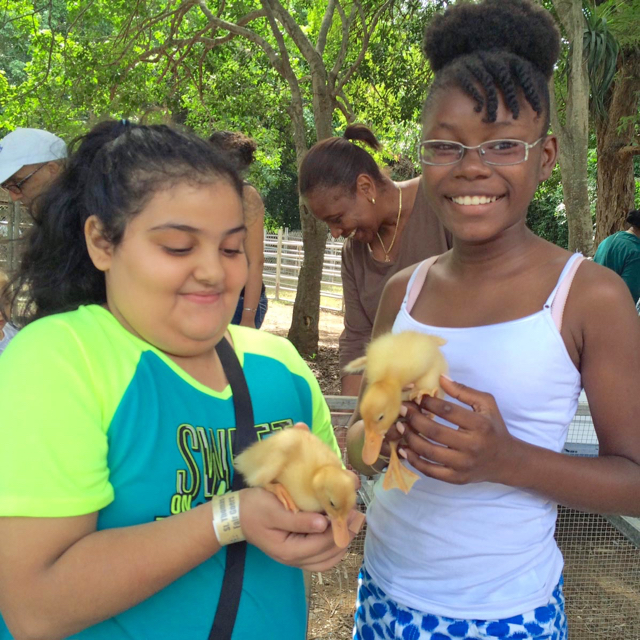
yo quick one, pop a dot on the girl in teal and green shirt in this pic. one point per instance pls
(118, 420)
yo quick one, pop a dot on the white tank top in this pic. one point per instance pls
(483, 550)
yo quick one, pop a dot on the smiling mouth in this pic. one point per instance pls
(203, 297)
(474, 200)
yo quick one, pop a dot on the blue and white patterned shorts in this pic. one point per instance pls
(380, 618)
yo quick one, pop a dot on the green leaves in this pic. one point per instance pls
(601, 51)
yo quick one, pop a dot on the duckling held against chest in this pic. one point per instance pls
(394, 361)
(304, 473)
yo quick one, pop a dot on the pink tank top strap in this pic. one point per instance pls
(417, 280)
(562, 290)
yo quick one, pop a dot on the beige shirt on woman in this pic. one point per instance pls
(364, 277)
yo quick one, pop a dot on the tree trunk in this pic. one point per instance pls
(616, 185)
(573, 169)
(573, 136)
(306, 309)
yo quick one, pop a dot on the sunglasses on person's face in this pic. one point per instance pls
(16, 187)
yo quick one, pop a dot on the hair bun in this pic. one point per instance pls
(362, 133)
(516, 26)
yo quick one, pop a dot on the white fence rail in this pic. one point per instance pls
(283, 255)
(14, 222)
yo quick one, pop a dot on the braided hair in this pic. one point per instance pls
(498, 46)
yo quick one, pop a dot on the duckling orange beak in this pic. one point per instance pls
(372, 446)
(340, 531)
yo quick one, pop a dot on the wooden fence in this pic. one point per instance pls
(14, 222)
(283, 253)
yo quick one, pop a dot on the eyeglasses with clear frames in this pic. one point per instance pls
(16, 187)
(494, 152)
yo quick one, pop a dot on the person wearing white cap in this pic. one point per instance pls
(29, 161)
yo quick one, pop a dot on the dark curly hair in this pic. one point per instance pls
(241, 148)
(337, 162)
(505, 46)
(633, 218)
(113, 172)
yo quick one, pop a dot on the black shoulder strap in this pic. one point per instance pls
(245, 435)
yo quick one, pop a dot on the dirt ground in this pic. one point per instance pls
(602, 568)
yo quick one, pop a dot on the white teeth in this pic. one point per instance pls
(469, 200)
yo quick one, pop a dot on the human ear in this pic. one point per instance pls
(54, 168)
(100, 249)
(366, 186)
(548, 157)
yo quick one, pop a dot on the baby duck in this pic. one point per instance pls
(394, 361)
(304, 473)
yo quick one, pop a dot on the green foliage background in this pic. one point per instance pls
(70, 63)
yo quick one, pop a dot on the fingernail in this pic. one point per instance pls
(320, 524)
(400, 427)
(403, 453)
(446, 377)
(403, 410)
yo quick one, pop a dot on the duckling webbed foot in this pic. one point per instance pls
(283, 495)
(416, 395)
(398, 476)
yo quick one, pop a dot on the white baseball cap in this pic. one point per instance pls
(28, 146)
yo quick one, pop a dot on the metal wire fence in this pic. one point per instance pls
(602, 560)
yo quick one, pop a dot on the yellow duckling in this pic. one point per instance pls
(304, 473)
(394, 361)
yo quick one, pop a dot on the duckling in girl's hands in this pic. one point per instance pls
(305, 474)
(392, 362)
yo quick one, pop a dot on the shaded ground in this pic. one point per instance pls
(602, 568)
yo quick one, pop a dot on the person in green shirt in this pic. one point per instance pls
(621, 252)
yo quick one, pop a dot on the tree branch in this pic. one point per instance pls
(36, 11)
(325, 26)
(129, 37)
(633, 150)
(344, 44)
(239, 30)
(286, 71)
(366, 35)
(564, 11)
(345, 106)
(52, 34)
(295, 32)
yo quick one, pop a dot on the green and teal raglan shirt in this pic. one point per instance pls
(95, 419)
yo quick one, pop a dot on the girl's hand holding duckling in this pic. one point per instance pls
(302, 539)
(480, 450)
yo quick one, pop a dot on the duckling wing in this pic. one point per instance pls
(263, 462)
(307, 458)
(429, 382)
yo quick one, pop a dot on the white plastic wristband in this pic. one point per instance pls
(226, 518)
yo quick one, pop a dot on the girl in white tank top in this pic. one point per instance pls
(469, 551)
